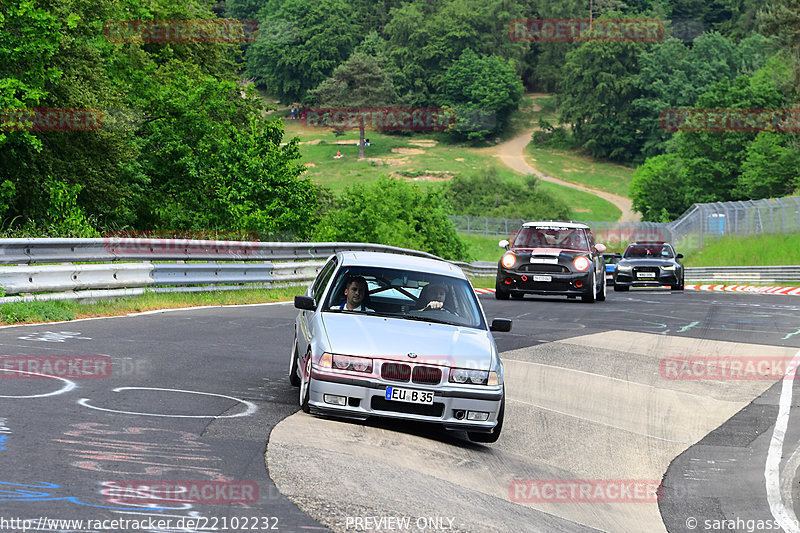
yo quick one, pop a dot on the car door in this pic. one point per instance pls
(306, 319)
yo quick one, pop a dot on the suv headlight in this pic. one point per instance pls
(668, 267)
(624, 268)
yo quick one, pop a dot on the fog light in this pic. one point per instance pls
(579, 284)
(479, 416)
(334, 400)
(507, 281)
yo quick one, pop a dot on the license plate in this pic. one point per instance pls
(542, 278)
(646, 274)
(409, 395)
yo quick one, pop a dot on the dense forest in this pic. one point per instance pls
(183, 142)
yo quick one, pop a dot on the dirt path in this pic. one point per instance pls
(512, 153)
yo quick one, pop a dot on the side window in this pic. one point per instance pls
(322, 279)
(590, 234)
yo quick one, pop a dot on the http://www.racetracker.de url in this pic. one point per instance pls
(204, 523)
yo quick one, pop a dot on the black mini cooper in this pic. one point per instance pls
(552, 258)
(649, 264)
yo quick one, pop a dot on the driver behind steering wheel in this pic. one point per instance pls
(432, 297)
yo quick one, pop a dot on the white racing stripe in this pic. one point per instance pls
(784, 514)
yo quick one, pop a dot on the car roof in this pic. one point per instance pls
(401, 261)
(556, 224)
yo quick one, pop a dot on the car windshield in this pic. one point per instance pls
(649, 251)
(552, 237)
(409, 294)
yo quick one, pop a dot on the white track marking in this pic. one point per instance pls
(68, 385)
(251, 408)
(783, 514)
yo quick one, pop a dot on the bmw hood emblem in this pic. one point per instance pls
(412, 355)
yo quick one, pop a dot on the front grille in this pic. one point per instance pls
(382, 404)
(427, 375)
(646, 269)
(396, 372)
(543, 267)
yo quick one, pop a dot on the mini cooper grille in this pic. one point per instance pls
(395, 371)
(382, 404)
(533, 267)
(428, 375)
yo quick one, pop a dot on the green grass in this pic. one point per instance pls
(757, 250)
(583, 205)
(577, 168)
(50, 311)
(483, 247)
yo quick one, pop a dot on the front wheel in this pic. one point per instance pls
(495, 434)
(499, 292)
(294, 379)
(591, 295)
(305, 387)
(601, 297)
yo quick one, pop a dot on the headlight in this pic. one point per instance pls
(668, 267)
(509, 260)
(581, 263)
(353, 364)
(472, 377)
(624, 268)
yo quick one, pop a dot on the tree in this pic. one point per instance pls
(303, 42)
(395, 213)
(770, 169)
(481, 88)
(358, 82)
(597, 88)
(659, 188)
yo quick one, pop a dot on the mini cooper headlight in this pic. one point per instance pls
(581, 263)
(509, 260)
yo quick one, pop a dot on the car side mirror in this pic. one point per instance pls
(503, 244)
(501, 324)
(304, 302)
(679, 256)
(600, 247)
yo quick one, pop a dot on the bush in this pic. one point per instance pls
(489, 195)
(395, 213)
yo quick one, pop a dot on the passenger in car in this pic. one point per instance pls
(356, 294)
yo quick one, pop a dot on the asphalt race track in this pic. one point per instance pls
(189, 399)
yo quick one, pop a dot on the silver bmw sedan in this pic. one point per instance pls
(390, 335)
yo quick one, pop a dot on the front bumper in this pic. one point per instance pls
(563, 284)
(663, 278)
(366, 397)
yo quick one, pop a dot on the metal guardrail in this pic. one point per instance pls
(741, 275)
(165, 265)
(186, 265)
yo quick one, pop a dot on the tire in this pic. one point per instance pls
(499, 292)
(495, 434)
(601, 296)
(305, 388)
(677, 287)
(591, 294)
(294, 379)
(620, 288)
